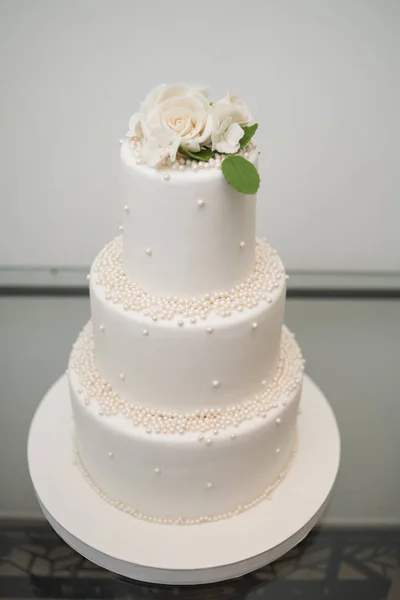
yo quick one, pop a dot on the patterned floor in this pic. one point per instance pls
(329, 564)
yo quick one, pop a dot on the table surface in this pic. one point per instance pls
(330, 563)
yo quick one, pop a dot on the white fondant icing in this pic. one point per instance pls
(172, 368)
(95, 388)
(239, 470)
(194, 251)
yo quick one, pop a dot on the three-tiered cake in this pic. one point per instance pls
(185, 384)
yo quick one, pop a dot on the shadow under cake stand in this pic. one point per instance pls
(168, 554)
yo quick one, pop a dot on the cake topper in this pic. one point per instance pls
(178, 123)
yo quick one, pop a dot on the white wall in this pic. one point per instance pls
(351, 349)
(322, 78)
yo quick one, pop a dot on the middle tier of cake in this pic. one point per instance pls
(183, 355)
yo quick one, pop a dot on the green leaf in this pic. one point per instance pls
(241, 174)
(248, 134)
(204, 154)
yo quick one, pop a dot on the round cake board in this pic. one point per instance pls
(185, 555)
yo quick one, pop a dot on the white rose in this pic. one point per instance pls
(235, 108)
(173, 116)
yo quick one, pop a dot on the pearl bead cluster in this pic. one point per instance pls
(268, 275)
(284, 382)
(184, 163)
(133, 512)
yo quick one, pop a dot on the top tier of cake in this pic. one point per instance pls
(189, 183)
(185, 232)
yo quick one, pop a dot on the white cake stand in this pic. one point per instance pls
(188, 554)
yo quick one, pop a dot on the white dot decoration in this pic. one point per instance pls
(200, 203)
(102, 328)
(210, 330)
(208, 441)
(278, 421)
(283, 383)
(215, 383)
(180, 323)
(209, 485)
(167, 177)
(193, 320)
(133, 512)
(149, 251)
(268, 275)
(122, 377)
(111, 455)
(242, 245)
(201, 437)
(255, 325)
(264, 382)
(233, 436)
(145, 332)
(126, 208)
(120, 227)
(157, 470)
(277, 450)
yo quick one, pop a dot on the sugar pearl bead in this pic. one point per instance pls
(278, 421)
(208, 441)
(215, 383)
(102, 328)
(167, 177)
(242, 244)
(255, 325)
(209, 485)
(200, 203)
(277, 450)
(111, 455)
(201, 437)
(267, 276)
(180, 322)
(233, 436)
(149, 251)
(122, 376)
(209, 330)
(126, 208)
(145, 332)
(120, 227)
(157, 470)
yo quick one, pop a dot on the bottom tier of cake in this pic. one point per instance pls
(185, 469)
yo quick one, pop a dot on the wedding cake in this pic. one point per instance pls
(185, 384)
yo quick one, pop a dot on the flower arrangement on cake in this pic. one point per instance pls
(179, 126)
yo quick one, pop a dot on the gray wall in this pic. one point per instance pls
(321, 77)
(352, 349)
